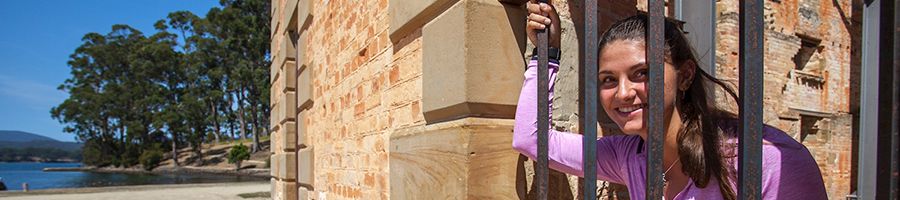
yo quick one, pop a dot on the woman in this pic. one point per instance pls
(700, 142)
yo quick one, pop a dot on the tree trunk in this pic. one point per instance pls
(255, 128)
(241, 114)
(215, 114)
(175, 149)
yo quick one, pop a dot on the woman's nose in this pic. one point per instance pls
(625, 90)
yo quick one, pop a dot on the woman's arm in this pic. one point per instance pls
(565, 149)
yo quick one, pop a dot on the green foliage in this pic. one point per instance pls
(150, 159)
(238, 153)
(194, 79)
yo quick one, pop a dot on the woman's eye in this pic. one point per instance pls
(606, 81)
(640, 75)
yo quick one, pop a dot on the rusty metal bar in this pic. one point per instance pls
(751, 93)
(655, 129)
(888, 137)
(588, 108)
(895, 121)
(543, 114)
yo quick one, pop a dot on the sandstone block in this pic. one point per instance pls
(304, 88)
(287, 137)
(283, 190)
(461, 159)
(408, 15)
(287, 109)
(286, 164)
(302, 135)
(290, 76)
(468, 62)
(306, 166)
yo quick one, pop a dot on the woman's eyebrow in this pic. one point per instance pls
(630, 68)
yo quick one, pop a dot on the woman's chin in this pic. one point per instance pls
(633, 129)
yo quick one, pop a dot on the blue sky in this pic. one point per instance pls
(36, 39)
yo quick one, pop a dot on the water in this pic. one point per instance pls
(14, 174)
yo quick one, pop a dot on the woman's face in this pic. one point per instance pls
(622, 81)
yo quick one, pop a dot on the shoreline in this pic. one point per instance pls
(166, 170)
(119, 191)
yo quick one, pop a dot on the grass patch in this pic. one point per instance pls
(255, 195)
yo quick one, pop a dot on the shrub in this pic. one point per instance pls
(237, 154)
(150, 159)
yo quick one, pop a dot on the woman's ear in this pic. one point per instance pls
(686, 74)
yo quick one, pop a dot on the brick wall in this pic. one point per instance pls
(412, 99)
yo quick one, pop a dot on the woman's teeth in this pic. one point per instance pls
(630, 108)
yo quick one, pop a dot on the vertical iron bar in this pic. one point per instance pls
(895, 119)
(656, 131)
(588, 124)
(751, 88)
(543, 114)
(888, 134)
(868, 111)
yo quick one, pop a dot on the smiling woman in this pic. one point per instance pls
(700, 138)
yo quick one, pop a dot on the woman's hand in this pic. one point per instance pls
(541, 15)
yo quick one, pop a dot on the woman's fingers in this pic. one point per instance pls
(539, 18)
(535, 25)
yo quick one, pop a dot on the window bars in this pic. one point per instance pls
(751, 85)
(879, 112)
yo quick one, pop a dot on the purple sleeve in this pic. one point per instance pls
(789, 170)
(565, 149)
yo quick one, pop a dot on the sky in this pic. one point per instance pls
(36, 39)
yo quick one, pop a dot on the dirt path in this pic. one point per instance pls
(226, 191)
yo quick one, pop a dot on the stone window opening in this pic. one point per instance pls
(814, 128)
(809, 64)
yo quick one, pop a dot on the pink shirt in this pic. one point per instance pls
(619, 161)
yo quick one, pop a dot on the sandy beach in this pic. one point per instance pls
(227, 191)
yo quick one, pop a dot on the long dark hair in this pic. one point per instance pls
(704, 125)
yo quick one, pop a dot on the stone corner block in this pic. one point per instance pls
(287, 164)
(467, 62)
(283, 190)
(302, 135)
(287, 137)
(306, 166)
(469, 157)
(304, 87)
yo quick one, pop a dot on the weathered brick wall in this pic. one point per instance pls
(411, 99)
(809, 99)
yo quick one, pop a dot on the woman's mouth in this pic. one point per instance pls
(626, 110)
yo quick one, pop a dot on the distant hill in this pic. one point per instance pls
(21, 140)
(21, 136)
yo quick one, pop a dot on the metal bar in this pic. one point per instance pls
(543, 114)
(750, 108)
(588, 107)
(656, 131)
(868, 115)
(895, 115)
(700, 30)
(887, 186)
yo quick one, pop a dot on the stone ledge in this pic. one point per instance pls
(408, 15)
